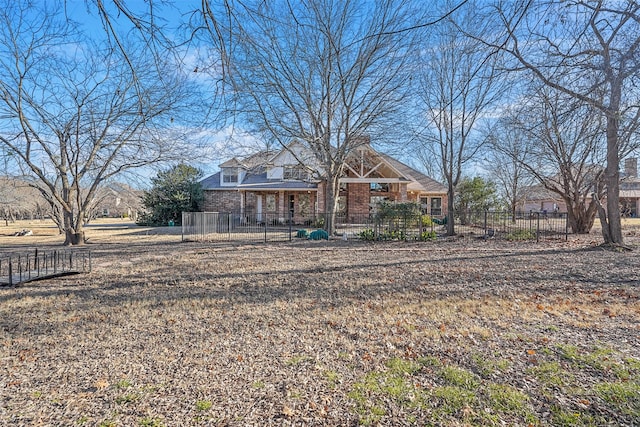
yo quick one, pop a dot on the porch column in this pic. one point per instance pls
(281, 207)
(403, 192)
(320, 198)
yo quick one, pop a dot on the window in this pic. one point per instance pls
(229, 176)
(342, 205)
(297, 172)
(424, 204)
(436, 206)
(271, 202)
(379, 187)
(304, 203)
(374, 202)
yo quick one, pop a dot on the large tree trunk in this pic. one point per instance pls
(73, 232)
(580, 217)
(73, 237)
(331, 204)
(451, 214)
(612, 222)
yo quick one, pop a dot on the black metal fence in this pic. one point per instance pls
(24, 267)
(229, 226)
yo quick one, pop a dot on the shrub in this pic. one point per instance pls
(521, 235)
(428, 235)
(302, 234)
(367, 234)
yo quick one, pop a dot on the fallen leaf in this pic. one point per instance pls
(286, 411)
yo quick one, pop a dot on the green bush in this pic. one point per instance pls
(426, 221)
(367, 234)
(428, 235)
(521, 235)
(302, 234)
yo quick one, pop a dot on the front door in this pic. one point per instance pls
(259, 208)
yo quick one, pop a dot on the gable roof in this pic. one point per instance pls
(256, 176)
(420, 181)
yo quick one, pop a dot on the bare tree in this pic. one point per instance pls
(322, 72)
(589, 50)
(459, 84)
(507, 152)
(73, 116)
(563, 141)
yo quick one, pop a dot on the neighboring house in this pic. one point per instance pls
(117, 200)
(289, 183)
(630, 189)
(539, 199)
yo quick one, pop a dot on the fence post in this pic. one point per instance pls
(566, 226)
(10, 272)
(266, 222)
(538, 228)
(290, 223)
(530, 219)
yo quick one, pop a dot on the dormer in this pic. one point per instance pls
(231, 173)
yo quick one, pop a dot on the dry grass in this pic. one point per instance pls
(323, 333)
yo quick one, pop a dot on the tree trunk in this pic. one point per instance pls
(612, 223)
(331, 204)
(580, 218)
(74, 238)
(73, 232)
(451, 231)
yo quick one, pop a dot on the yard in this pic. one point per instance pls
(460, 332)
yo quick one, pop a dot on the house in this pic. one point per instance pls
(116, 200)
(630, 189)
(289, 183)
(539, 199)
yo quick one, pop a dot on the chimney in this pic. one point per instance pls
(631, 167)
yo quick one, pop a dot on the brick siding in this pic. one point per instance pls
(221, 201)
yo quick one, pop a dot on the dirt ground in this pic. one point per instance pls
(464, 332)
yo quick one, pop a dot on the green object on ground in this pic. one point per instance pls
(442, 221)
(319, 235)
(302, 234)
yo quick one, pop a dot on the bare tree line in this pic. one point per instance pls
(512, 81)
